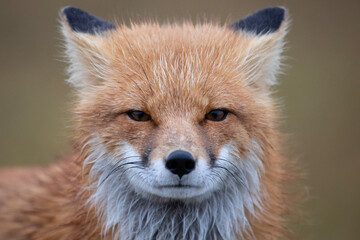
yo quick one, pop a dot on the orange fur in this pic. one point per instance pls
(152, 67)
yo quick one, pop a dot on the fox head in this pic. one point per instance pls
(176, 115)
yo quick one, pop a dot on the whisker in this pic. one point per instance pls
(227, 170)
(228, 161)
(121, 165)
(219, 176)
(238, 179)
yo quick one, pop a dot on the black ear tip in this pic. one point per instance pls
(83, 22)
(68, 10)
(273, 12)
(265, 21)
(278, 11)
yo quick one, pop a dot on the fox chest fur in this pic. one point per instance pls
(176, 136)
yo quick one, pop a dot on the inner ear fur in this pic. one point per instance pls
(85, 36)
(263, 35)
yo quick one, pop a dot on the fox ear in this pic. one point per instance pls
(263, 34)
(83, 22)
(84, 37)
(265, 21)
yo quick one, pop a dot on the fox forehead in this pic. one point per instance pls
(186, 54)
(178, 65)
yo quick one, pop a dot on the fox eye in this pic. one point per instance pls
(217, 115)
(138, 116)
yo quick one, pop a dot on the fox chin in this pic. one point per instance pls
(175, 136)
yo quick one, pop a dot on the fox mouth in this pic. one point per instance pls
(178, 191)
(178, 186)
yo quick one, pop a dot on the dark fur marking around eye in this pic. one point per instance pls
(265, 21)
(83, 22)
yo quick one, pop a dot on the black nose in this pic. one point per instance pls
(180, 162)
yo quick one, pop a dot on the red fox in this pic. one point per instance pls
(176, 136)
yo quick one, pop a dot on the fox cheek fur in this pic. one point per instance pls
(177, 135)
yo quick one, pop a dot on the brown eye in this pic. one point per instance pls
(216, 115)
(138, 116)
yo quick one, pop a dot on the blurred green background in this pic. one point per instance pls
(320, 91)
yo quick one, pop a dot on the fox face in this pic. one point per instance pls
(176, 121)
